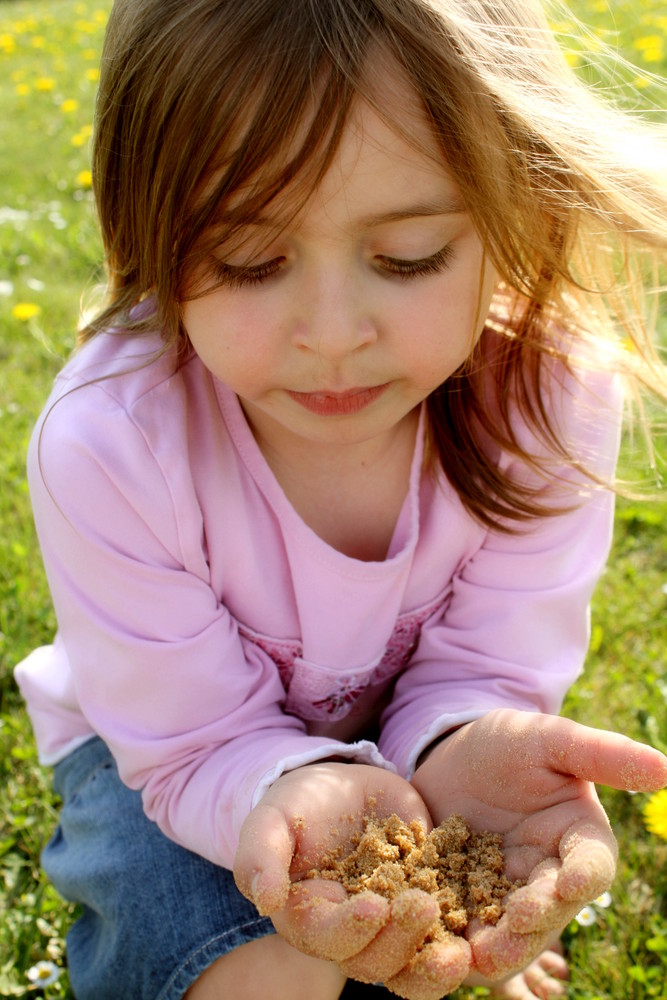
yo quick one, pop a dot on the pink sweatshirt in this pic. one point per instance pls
(214, 641)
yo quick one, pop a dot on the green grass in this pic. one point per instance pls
(49, 254)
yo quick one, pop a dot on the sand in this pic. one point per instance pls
(461, 869)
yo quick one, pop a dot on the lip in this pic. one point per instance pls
(334, 404)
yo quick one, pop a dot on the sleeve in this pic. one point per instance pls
(516, 630)
(157, 663)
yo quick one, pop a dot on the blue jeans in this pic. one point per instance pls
(155, 915)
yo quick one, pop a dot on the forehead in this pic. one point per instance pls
(386, 145)
(384, 157)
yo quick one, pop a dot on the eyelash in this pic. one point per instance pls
(234, 276)
(406, 269)
(238, 277)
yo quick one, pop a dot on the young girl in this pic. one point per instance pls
(324, 493)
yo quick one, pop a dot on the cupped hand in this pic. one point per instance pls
(309, 813)
(530, 778)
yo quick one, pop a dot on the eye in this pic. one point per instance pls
(238, 276)
(405, 269)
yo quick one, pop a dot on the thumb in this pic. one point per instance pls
(263, 859)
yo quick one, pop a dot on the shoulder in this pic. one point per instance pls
(118, 431)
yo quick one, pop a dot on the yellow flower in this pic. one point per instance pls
(7, 43)
(22, 89)
(45, 83)
(82, 136)
(25, 311)
(92, 74)
(651, 47)
(68, 106)
(649, 42)
(84, 179)
(653, 55)
(655, 814)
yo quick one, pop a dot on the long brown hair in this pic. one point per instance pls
(200, 98)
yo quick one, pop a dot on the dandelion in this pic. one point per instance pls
(25, 311)
(586, 917)
(653, 55)
(68, 106)
(44, 973)
(45, 83)
(22, 89)
(92, 74)
(84, 179)
(648, 42)
(651, 47)
(7, 43)
(655, 814)
(82, 136)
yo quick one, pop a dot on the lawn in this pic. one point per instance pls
(49, 256)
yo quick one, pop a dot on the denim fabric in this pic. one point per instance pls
(154, 914)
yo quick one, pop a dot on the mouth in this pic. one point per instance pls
(333, 404)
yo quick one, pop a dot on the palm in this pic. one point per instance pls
(316, 810)
(529, 778)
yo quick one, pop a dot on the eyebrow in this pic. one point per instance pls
(419, 210)
(416, 211)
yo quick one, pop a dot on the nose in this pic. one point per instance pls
(333, 320)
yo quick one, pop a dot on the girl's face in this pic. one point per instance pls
(332, 330)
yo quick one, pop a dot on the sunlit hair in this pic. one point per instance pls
(201, 100)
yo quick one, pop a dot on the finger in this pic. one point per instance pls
(530, 908)
(317, 921)
(539, 906)
(589, 853)
(436, 970)
(413, 915)
(263, 859)
(521, 861)
(499, 951)
(604, 758)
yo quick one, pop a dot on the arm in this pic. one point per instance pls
(516, 629)
(158, 667)
(524, 775)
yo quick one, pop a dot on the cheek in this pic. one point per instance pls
(230, 338)
(441, 324)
